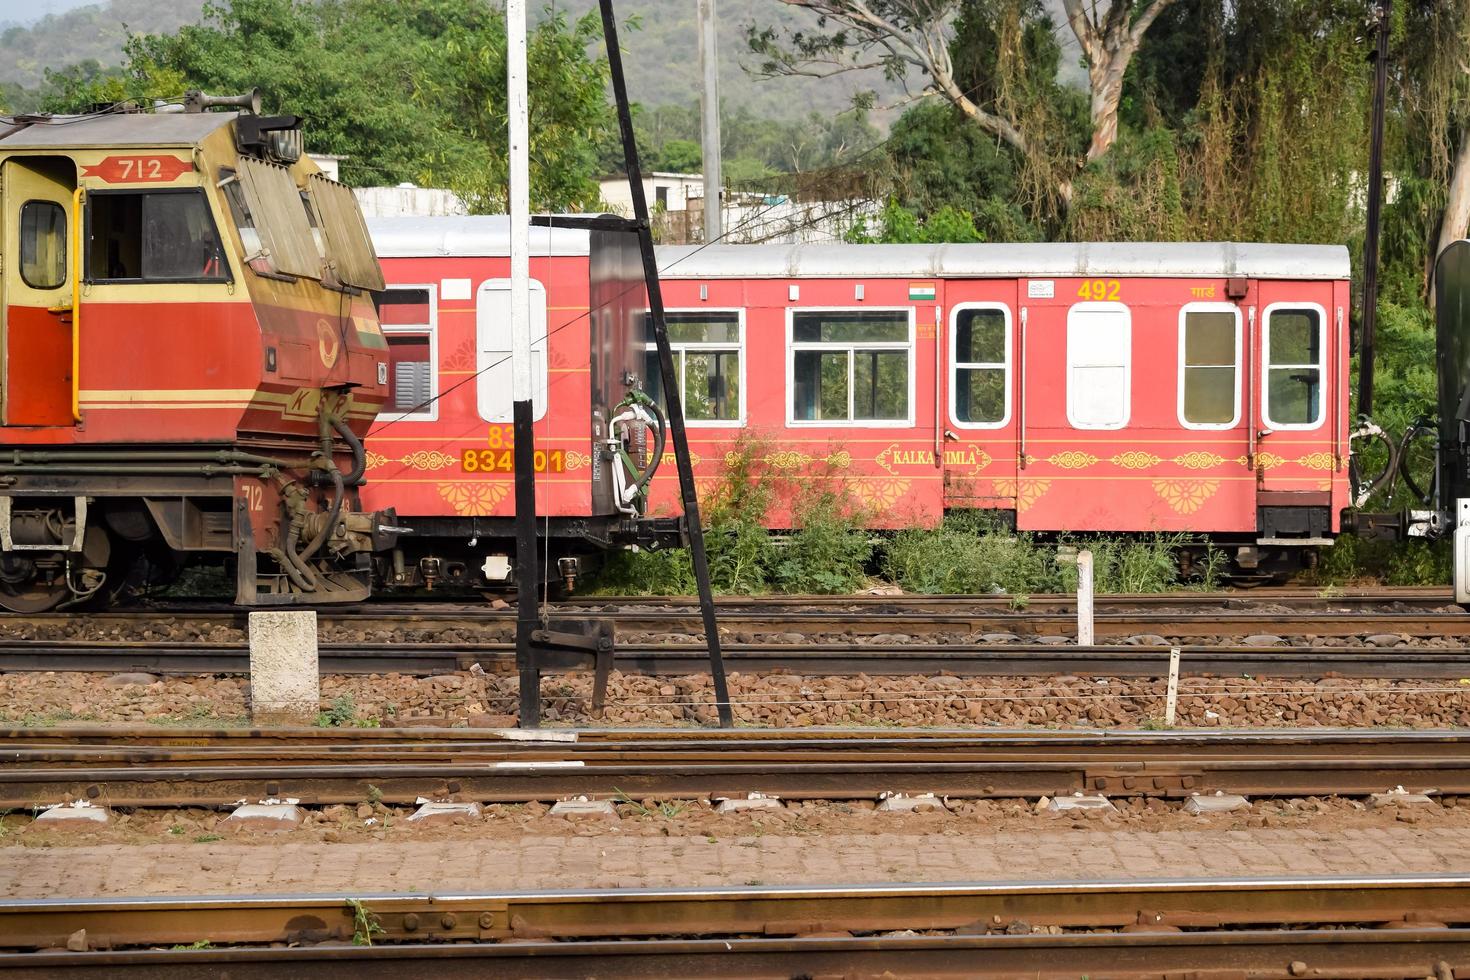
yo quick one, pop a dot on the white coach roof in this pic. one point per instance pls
(1005, 261)
(473, 235)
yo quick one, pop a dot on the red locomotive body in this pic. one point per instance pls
(190, 357)
(1139, 387)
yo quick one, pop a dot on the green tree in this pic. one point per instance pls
(406, 90)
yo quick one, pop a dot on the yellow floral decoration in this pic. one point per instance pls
(1026, 492)
(1185, 496)
(473, 499)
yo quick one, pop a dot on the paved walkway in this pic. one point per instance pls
(524, 860)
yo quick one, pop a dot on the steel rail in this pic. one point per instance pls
(203, 768)
(1273, 927)
(828, 658)
(1338, 952)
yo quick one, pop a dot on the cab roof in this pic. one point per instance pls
(109, 129)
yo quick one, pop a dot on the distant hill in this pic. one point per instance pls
(95, 31)
(661, 57)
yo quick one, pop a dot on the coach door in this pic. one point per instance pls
(982, 394)
(36, 294)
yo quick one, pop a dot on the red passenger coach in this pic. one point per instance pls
(442, 448)
(1068, 387)
(1075, 387)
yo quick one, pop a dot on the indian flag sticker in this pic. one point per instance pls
(921, 290)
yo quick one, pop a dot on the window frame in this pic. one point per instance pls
(225, 277)
(1184, 310)
(1320, 365)
(955, 364)
(812, 345)
(1101, 307)
(677, 347)
(66, 244)
(432, 413)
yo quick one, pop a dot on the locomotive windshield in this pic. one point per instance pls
(153, 236)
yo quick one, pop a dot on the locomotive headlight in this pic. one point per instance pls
(284, 144)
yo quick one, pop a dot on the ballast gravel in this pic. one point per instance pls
(771, 699)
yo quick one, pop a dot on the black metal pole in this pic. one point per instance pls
(1366, 348)
(527, 562)
(672, 395)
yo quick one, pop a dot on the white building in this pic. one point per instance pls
(666, 191)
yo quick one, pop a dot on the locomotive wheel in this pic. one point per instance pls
(23, 591)
(32, 597)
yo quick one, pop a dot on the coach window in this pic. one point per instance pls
(1099, 364)
(408, 315)
(152, 236)
(980, 355)
(706, 346)
(851, 366)
(42, 244)
(1294, 366)
(1209, 362)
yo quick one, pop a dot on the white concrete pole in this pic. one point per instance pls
(520, 200)
(1084, 598)
(709, 108)
(1171, 701)
(285, 682)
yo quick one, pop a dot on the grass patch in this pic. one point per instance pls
(343, 714)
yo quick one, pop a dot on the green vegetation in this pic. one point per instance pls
(365, 924)
(829, 552)
(343, 714)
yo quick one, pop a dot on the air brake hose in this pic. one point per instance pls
(359, 455)
(332, 514)
(637, 398)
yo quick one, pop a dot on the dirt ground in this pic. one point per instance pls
(771, 699)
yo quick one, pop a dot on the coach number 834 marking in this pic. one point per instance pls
(503, 461)
(1100, 289)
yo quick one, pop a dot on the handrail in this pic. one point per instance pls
(76, 305)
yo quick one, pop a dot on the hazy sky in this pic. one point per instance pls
(30, 11)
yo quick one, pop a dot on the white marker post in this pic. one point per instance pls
(1084, 599)
(1171, 701)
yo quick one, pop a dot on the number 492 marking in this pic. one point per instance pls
(1100, 289)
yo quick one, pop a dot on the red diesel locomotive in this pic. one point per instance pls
(190, 357)
(1194, 387)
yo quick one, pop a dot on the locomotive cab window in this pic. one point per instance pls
(43, 244)
(152, 236)
(1294, 366)
(408, 315)
(706, 346)
(1099, 365)
(980, 356)
(850, 366)
(1209, 362)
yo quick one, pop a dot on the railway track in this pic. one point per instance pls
(1382, 926)
(1426, 609)
(169, 768)
(827, 658)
